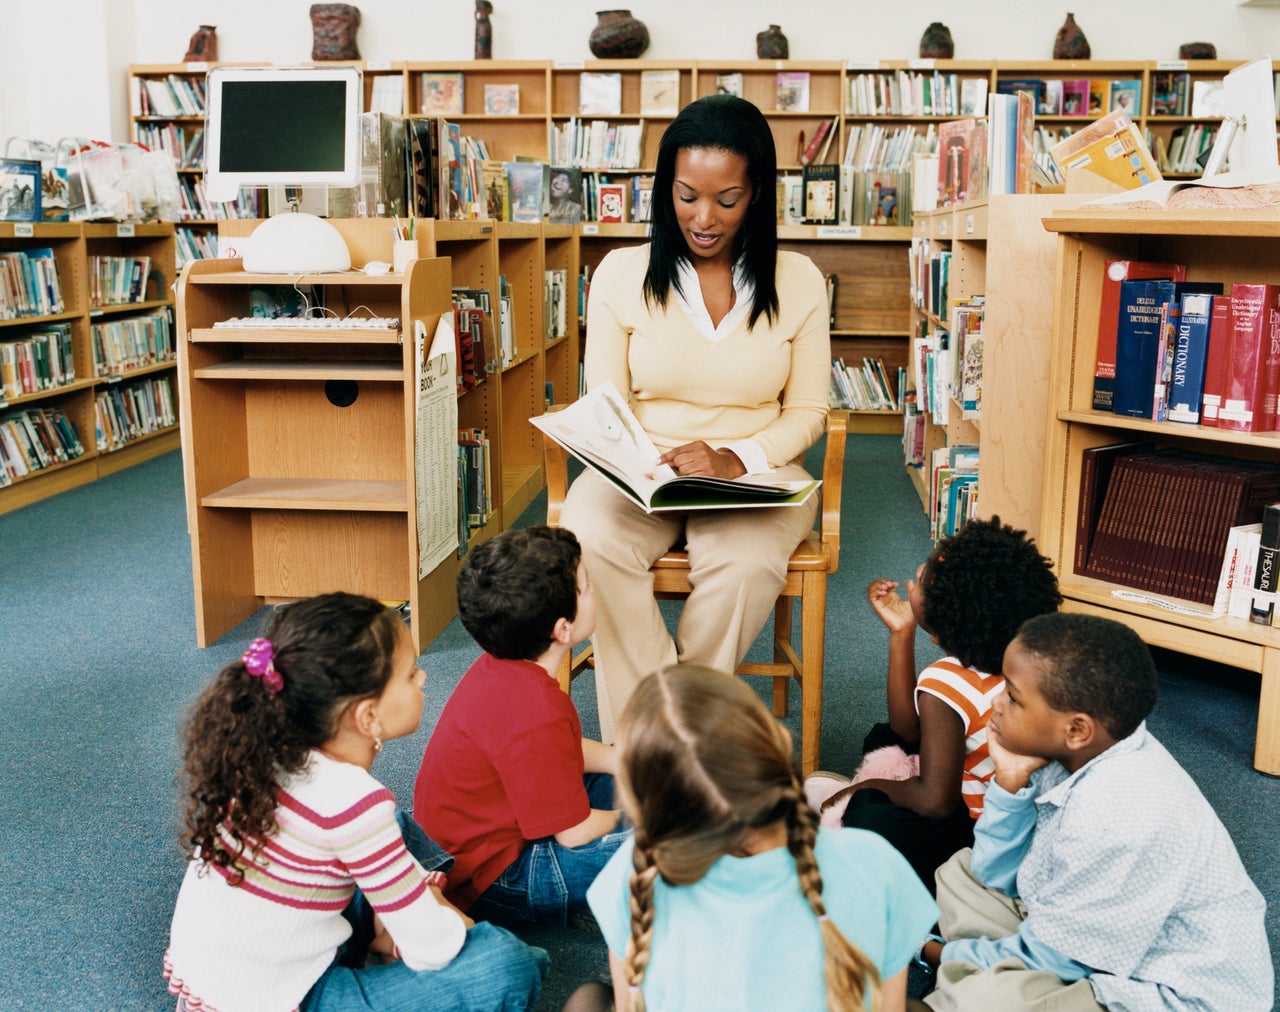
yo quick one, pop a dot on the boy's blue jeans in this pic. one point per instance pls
(549, 881)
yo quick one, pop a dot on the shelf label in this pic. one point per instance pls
(197, 66)
(925, 63)
(861, 64)
(568, 65)
(968, 224)
(590, 229)
(125, 230)
(24, 229)
(377, 64)
(839, 231)
(944, 227)
(1171, 64)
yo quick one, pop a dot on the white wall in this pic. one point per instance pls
(58, 76)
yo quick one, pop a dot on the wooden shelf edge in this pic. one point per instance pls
(296, 335)
(311, 494)
(290, 369)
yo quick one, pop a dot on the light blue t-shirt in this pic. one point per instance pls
(744, 937)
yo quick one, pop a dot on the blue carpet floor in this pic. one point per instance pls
(98, 664)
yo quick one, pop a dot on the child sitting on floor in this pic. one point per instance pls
(1099, 876)
(922, 781)
(730, 896)
(301, 863)
(508, 784)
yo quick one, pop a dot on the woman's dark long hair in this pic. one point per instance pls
(726, 123)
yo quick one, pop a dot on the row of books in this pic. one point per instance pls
(1197, 353)
(475, 337)
(125, 412)
(29, 284)
(475, 484)
(915, 425)
(35, 439)
(443, 93)
(194, 204)
(872, 147)
(965, 342)
(931, 367)
(555, 302)
(37, 361)
(1187, 145)
(194, 244)
(173, 95)
(930, 270)
(867, 387)
(953, 488)
(116, 281)
(912, 93)
(185, 146)
(1084, 97)
(1173, 93)
(1159, 521)
(597, 144)
(121, 346)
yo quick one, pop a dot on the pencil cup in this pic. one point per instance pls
(402, 251)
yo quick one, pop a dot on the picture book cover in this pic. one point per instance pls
(599, 93)
(729, 84)
(955, 157)
(642, 197)
(792, 91)
(1075, 97)
(973, 96)
(659, 92)
(612, 203)
(821, 194)
(502, 99)
(1126, 97)
(442, 94)
(566, 195)
(525, 182)
(1099, 97)
(19, 190)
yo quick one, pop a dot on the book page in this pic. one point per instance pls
(436, 439)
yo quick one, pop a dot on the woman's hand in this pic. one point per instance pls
(698, 459)
(894, 610)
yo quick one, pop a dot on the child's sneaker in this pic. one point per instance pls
(821, 785)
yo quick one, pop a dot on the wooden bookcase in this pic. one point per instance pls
(1000, 249)
(73, 244)
(292, 488)
(1224, 246)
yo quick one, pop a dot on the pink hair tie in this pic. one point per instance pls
(259, 661)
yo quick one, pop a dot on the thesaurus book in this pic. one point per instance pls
(602, 432)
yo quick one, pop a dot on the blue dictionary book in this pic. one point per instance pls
(1190, 350)
(1137, 344)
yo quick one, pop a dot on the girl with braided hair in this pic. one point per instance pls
(301, 865)
(730, 895)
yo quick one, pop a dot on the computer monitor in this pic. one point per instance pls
(284, 126)
(1246, 141)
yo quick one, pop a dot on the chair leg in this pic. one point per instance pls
(813, 622)
(781, 635)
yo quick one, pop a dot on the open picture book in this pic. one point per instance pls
(600, 430)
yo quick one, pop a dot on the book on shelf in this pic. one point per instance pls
(1266, 576)
(642, 197)
(1167, 342)
(1126, 97)
(1252, 379)
(422, 152)
(600, 430)
(1075, 97)
(955, 159)
(387, 94)
(821, 194)
(1002, 141)
(1208, 99)
(659, 92)
(1096, 463)
(502, 99)
(612, 203)
(1188, 357)
(1099, 96)
(383, 190)
(1115, 272)
(527, 184)
(1032, 86)
(791, 91)
(599, 93)
(19, 189)
(1051, 98)
(441, 93)
(973, 96)
(1215, 360)
(566, 195)
(1142, 336)
(729, 84)
(1240, 595)
(883, 204)
(497, 194)
(1107, 155)
(817, 148)
(1170, 92)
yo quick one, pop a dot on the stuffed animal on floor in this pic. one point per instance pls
(888, 763)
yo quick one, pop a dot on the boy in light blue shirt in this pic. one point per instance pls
(1098, 870)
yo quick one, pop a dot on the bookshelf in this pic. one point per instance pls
(293, 489)
(1221, 246)
(114, 386)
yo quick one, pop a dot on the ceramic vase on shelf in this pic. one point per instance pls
(936, 42)
(333, 27)
(771, 44)
(203, 45)
(1197, 51)
(1070, 43)
(617, 35)
(484, 30)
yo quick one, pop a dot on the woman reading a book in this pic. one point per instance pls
(721, 343)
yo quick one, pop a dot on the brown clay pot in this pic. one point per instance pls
(771, 44)
(333, 29)
(1070, 43)
(618, 36)
(936, 42)
(1197, 51)
(203, 45)
(484, 30)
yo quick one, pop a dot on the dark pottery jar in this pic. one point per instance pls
(333, 27)
(484, 30)
(618, 36)
(1197, 51)
(1070, 43)
(936, 42)
(203, 45)
(771, 44)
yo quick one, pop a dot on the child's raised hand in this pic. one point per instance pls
(893, 609)
(1013, 769)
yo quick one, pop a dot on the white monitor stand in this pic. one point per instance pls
(295, 242)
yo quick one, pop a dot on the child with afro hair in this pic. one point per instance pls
(923, 776)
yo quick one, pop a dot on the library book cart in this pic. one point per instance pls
(1227, 246)
(299, 453)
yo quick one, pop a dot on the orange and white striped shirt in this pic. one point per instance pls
(970, 693)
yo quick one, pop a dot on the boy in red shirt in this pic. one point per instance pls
(508, 785)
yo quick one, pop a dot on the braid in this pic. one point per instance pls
(850, 975)
(637, 957)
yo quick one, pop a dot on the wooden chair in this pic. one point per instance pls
(815, 558)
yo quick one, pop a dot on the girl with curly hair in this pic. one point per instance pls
(300, 863)
(924, 774)
(730, 895)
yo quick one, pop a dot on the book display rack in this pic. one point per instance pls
(1223, 246)
(110, 406)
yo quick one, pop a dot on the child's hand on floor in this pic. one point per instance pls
(893, 609)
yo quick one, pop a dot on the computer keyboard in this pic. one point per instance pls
(313, 322)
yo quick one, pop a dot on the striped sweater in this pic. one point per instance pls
(262, 944)
(970, 694)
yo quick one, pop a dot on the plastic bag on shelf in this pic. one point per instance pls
(118, 182)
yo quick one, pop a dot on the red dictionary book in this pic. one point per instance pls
(1215, 362)
(1104, 376)
(1253, 368)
